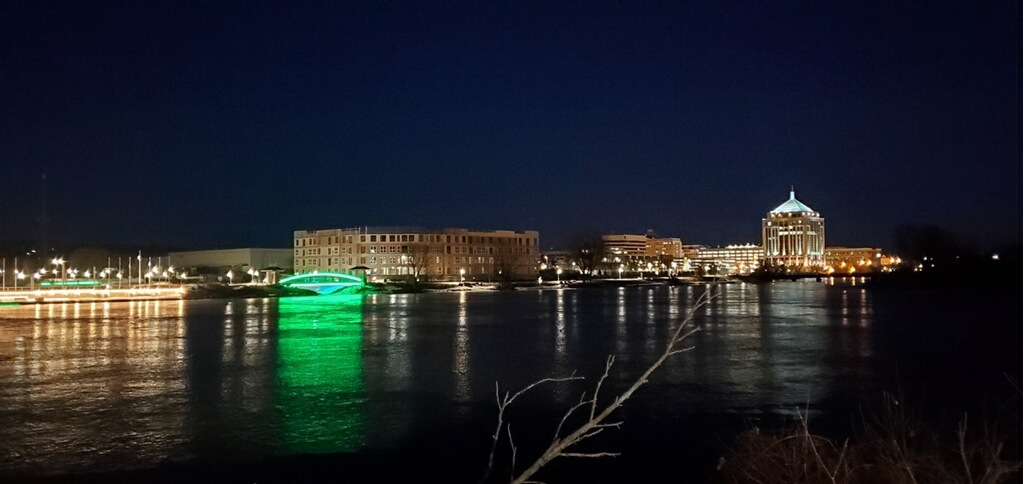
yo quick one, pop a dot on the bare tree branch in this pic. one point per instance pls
(504, 403)
(607, 367)
(595, 425)
(594, 454)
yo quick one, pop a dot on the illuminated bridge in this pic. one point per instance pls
(324, 282)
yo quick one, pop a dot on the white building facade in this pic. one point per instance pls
(793, 236)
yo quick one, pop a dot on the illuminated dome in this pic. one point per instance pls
(792, 205)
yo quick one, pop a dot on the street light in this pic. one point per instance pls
(462, 277)
(59, 261)
(558, 274)
(231, 277)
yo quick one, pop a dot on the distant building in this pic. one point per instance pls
(635, 252)
(411, 252)
(222, 260)
(858, 260)
(557, 259)
(669, 248)
(731, 259)
(690, 252)
(625, 246)
(793, 235)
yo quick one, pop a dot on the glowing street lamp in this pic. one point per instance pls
(558, 274)
(231, 277)
(462, 277)
(59, 261)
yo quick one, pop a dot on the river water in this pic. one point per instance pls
(99, 387)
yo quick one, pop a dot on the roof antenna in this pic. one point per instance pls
(792, 193)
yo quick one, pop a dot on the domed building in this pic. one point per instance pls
(793, 235)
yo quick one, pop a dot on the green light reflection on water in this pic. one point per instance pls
(320, 397)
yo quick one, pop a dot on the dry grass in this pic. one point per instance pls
(895, 447)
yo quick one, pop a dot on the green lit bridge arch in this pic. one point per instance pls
(324, 282)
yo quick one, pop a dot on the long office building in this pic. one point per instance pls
(411, 252)
(647, 246)
(224, 259)
(793, 235)
(731, 259)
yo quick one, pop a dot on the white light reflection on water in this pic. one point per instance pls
(87, 382)
(460, 366)
(620, 321)
(560, 324)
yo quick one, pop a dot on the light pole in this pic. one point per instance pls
(18, 276)
(558, 275)
(231, 277)
(462, 277)
(59, 261)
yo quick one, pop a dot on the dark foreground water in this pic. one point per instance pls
(401, 387)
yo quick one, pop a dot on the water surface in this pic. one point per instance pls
(112, 386)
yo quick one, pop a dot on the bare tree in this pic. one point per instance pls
(587, 251)
(596, 412)
(417, 259)
(505, 267)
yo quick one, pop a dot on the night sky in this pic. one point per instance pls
(217, 124)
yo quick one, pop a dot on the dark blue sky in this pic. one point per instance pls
(222, 123)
